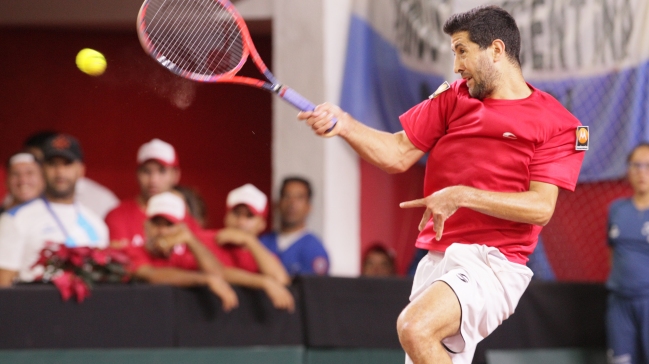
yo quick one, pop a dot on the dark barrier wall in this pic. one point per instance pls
(332, 313)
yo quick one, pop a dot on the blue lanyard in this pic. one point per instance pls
(83, 223)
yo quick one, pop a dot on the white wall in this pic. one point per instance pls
(309, 42)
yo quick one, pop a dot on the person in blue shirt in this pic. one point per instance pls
(627, 317)
(300, 251)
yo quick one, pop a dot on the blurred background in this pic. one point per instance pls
(376, 58)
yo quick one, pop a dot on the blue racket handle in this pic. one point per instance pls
(300, 102)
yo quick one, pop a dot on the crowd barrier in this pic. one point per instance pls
(335, 318)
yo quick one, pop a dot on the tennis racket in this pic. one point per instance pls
(206, 41)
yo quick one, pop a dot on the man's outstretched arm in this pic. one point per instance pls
(393, 153)
(534, 206)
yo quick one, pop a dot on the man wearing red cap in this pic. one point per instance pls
(158, 171)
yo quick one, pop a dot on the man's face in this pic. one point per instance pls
(638, 170)
(242, 218)
(294, 205)
(158, 228)
(61, 175)
(474, 65)
(25, 181)
(377, 264)
(155, 178)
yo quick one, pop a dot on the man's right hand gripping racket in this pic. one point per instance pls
(206, 41)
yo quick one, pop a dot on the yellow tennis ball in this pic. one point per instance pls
(91, 62)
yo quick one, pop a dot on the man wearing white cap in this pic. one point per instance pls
(158, 171)
(54, 217)
(244, 220)
(173, 255)
(25, 180)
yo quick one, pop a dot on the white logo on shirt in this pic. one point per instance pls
(137, 240)
(614, 232)
(180, 249)
(509, 135)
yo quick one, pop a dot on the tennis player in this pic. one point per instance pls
(500, 149)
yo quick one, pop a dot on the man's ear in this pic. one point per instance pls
(82, 170)
(498, 50)
(177, 178)
(261, 225)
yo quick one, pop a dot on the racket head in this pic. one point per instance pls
(202, 40)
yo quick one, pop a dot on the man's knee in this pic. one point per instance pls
(409, 330)
(430, 318)
(414, 332)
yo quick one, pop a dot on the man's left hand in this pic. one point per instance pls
(440, 205)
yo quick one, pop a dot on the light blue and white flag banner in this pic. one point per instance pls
(592, 55)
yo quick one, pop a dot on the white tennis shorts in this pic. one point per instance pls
(487, 285)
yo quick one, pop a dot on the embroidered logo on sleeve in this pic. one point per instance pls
(583, 138)
(443, 87)
(320, 265)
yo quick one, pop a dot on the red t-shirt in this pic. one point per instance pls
(493, 145)
(181, 256)
(126, 222)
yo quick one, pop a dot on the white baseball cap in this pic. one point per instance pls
(22, 158)
(159, 151)
(250, 196)
(168, 205)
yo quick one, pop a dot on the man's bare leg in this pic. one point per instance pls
(431, 317)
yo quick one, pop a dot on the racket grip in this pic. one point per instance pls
(300, 102)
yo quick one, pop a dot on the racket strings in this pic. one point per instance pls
(197, 36)
(196, 41)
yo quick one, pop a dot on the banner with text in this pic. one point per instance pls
(592, 55)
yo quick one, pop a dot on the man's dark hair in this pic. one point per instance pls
(641, 145)
(301, 180)
(38, 139)
(486, 24)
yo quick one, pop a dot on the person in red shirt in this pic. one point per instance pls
(499, 150)
(244, 220)
(173, 255)
(168, 242)
(158, 171)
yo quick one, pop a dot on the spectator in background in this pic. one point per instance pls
(378, 261)
(244, 220)
(170, 243)
(300, 251)
(89, 193)
(56, 217)
(173, 255)
(158, 171)
(25, 180)
(627, 316)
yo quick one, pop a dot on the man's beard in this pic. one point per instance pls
(60, 194)
(488, 75)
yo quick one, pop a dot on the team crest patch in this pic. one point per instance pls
(443, 87)
(583, 138)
